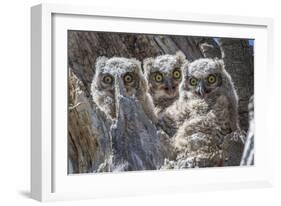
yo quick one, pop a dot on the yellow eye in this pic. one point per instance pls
(177, 74)
(193, 81)
(158, 77)
(212, 79)
(128, 78)
(107, 79)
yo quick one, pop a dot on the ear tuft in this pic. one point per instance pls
(147, 64)
(219, 62)
(184, 68)
(101, 61)
(136, 62)
(181, 58)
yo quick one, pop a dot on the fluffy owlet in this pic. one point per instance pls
(206, 112)
(103, 90)
(206, 79)
(163, 74)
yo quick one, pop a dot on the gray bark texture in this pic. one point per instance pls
(132, 142)
(248, 154)
(88, 137)
(238, 59)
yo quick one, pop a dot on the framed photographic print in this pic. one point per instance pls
(135, 102)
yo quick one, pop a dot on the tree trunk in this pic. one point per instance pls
(248, 154)
(88, 137)
(238, 59)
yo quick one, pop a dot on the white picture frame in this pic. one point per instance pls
(48, 89)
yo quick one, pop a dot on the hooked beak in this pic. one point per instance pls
(201, 89)
(170, 86)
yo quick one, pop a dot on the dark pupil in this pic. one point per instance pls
(158, 77)
(211, 78)
(128, 78)
(107, 79)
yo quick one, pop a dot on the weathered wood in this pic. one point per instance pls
(88, 131)
(136, 143)
(248, 154)
(131, 142)
(238, 59)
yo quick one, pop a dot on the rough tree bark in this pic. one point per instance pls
(95, 143)
(248, 154)
(134, 131)
(238, 58)
(88, 137)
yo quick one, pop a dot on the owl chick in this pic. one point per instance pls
(103, 90)
(205, 86)
(207, 111)
(206, 79)
(163, 74)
